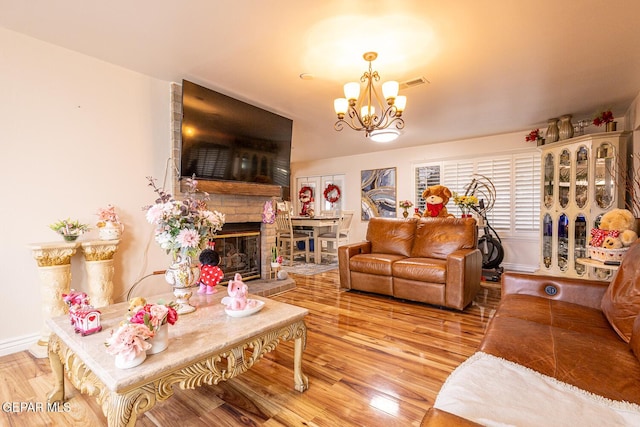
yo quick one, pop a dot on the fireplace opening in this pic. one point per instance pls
(238, 245)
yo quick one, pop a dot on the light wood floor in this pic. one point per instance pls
(371, 361)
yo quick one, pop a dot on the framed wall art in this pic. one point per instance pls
(378, 193)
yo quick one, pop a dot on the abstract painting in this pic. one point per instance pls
(378, 193)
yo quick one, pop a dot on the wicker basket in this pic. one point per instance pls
(604, 254)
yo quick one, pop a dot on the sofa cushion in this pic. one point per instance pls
(378, 264)
(438, 237)
(391, 236)
(621, 301)
(421, 269)
(569, 342)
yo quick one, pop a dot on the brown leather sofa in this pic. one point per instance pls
(583, 333)
(429, 260)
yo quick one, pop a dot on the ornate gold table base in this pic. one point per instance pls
(123, 407)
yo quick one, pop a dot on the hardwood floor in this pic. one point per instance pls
(371, 361)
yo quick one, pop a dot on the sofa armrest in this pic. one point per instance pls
(439, 418)
(464, 271)
(345, 252)
(577, 291)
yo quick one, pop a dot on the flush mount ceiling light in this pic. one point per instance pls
(361, 108)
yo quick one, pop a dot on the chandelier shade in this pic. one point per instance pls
(358, 107)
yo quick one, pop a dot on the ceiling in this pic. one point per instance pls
(493, 66)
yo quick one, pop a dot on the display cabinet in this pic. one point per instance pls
(582, 178)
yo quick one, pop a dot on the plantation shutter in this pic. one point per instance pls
(499, 172)
(456, 177)
(527, 193)
(425, 176)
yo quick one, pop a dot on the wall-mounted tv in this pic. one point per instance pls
(225, 139)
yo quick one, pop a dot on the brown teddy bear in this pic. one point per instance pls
(436, 197)
(623, 221)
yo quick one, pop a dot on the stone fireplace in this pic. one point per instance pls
(241, 203)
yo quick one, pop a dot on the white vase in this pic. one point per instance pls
(160, 340)
(122, 363)
(182, 275)
(110, 231)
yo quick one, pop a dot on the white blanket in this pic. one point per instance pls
(495, 392)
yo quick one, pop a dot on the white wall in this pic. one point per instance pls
(76, 134)
(520, 254)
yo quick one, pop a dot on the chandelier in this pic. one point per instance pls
(361, 108)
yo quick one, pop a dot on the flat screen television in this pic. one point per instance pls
(225, 139)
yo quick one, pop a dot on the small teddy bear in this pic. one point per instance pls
(623, 221)
(611, 242)
(436, 197)
(136, 304)
(210, 273)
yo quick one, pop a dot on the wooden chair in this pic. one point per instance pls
(339, 235)
(287, 240)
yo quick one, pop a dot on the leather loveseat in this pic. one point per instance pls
(429, 260)
(558, 351)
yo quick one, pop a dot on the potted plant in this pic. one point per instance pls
(465, 203)
(405, 204)
(276, 260)
(536, 136)
(70, 230)
(605, 117)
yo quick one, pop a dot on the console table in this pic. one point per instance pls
(205, 347)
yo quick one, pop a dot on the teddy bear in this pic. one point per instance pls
(611, 242)
(623, 221)
(436, 197)
(136, 304)
(210, 273)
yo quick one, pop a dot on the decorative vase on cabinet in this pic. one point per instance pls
(553, 133)
(566, 128)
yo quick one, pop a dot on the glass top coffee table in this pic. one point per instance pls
(205, 347)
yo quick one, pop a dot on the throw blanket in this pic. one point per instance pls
(495, 392)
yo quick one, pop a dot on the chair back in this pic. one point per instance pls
(283, 223)
(345, 222)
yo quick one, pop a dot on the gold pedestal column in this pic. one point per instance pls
(98, 255)
(54, 269)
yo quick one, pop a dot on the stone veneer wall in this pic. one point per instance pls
(237, 208)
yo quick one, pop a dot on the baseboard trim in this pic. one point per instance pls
(15, 345)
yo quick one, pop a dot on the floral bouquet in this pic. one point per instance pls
(182, 226)
(155, 315)
(405, 204)
(129, 340)
(465, 203)
(533, 136)
(603, 117)
(106, 215)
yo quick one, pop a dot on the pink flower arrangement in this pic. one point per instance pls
(155, 315)
(533, 136)
(182, 226)
(603, 118)
(129, 340)
(107, 214)
(405, 204)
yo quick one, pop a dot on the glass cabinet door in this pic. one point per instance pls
(547, 239)
(582, 176)
(548, 180)
(563, 242)
(564, 178)
(580, 243)
(605, 175)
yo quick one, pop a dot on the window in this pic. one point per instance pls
(516, 178)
